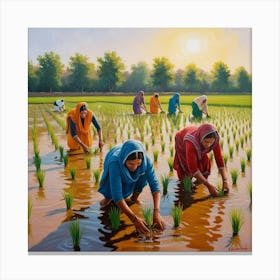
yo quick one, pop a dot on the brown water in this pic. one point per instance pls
(205, 224)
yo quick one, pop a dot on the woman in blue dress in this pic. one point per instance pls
(127, 170)
(174, 104)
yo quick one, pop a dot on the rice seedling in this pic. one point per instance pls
(65, 160)
(147, 146)
(142, 137)
(68, 198)
(29, 208)
(250, 191)
(37, 161)
(61, 152)
(114, 216)
(237, 145)
(170, 164)
(76, 234)
(234, 176)
(115, 139)
(155, 154)
(148, 216)
(222, 142)
(236, 219)
(88, 162)
(187, 183)
(211, 156)
(162, 146)
(228, 139)
(128, 134)
(153, 140)
(165, 181)
(249, 154)
(243, 165)
(170, 137)
(176, 212)
(171, 149)
(73, 172)
(161, 137)
(225, 157)
(40, 174)
(242, 142)
(220, 190)
(96, 174)
(231, 151)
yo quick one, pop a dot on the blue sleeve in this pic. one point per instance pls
(95, 123)
(72, 128)
(151, 177)
(115, 182)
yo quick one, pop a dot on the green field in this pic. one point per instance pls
(214, 100)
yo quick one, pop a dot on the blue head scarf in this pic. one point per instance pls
(175, 99)
(119, 154)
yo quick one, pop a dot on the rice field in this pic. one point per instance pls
(204, 222)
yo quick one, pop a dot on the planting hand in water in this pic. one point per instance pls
(78, 129)
(127, 170)
(192, 145)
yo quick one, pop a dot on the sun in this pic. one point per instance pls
(193, 45)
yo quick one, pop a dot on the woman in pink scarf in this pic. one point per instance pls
(191, 160)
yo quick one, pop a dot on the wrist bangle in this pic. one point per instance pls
(156, 209)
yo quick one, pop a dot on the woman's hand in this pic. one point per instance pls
(85, 148)
(225, 186)
(140, 225)
(158, 221)
(213, 191)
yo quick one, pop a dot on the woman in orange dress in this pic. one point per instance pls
(78, 124)
(155, 104)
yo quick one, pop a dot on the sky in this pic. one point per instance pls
(182, 46)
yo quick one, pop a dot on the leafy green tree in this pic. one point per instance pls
(220, 76)
(139, 77)
(80, 69)
(243, 79)
(110, 71)
(162, 74)
(192, 78)
(179, 80)
(32, 77)
(50, 72)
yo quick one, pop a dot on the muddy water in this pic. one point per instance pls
(205, 224)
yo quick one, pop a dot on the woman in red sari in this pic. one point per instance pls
(192, 144)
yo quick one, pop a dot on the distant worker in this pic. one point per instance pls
(174, 104)
(59, 106)
(200, 107)
(155, 104)
(78, 128)
(139, 104)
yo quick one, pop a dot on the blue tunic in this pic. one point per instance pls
(117, 182)
(174, 101)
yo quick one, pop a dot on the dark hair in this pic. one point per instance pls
(211, 135)
(135, 155)
(83, 107)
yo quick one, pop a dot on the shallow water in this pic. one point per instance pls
(205, 224)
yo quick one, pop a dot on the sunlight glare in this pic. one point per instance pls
(193, 45)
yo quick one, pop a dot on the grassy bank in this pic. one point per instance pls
(214, 100)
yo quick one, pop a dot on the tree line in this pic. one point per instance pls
(109, 75)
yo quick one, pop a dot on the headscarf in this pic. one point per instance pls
(197, 135)
(175, 99)
(74, 115)
(119, 154)
(199, 101)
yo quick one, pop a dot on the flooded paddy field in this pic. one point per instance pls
(205, 223)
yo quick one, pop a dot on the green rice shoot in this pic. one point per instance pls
(114, 216)
(40, 174)
(243, 165)
(165, 181)
(68, 198)
(76, 233)
(236, 219)
(187, 183)
(148, 216)
(176, 213)
(96, 175)
(73, 172)
(234, 175)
